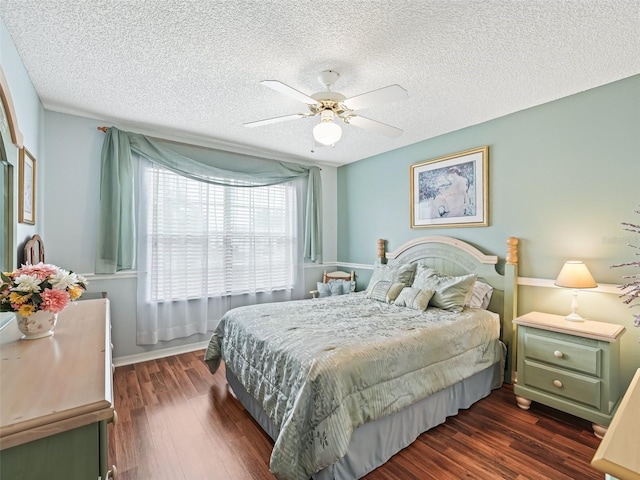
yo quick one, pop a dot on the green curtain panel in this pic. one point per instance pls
(116, 229)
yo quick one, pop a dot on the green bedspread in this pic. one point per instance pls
(320, 368)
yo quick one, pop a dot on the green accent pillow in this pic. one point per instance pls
(385, 291)
(401, 273)
(451, 292)
(414, 298)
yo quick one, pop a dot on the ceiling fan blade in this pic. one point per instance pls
(392, 93)
(290, 91)
(367, 123)
(268, 121)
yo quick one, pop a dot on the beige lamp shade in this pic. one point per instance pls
(575, 274)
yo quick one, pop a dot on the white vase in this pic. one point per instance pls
(37, 325)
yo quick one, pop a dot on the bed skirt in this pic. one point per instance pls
(374, 443)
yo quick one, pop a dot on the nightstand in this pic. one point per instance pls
(570, 366)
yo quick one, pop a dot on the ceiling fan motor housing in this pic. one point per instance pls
(328, 101)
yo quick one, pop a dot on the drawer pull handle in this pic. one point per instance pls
(113, 473)
(114, 418)
(557, 383)
(558, 354)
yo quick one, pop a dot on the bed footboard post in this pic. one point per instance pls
(510, 306)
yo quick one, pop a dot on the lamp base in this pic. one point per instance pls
(574, 317)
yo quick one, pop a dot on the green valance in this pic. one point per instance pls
(116, 228)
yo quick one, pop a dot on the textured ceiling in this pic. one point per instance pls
(191, 69)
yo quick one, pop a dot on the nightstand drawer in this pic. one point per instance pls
(565, 351)
(572, 386)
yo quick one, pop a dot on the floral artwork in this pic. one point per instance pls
(40, 287)
(450, 191)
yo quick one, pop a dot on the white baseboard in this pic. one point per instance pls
(155, 354)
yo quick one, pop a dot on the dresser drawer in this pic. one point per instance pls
(562, 383)
(565, 351)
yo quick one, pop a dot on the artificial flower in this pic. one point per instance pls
(26, 310)
(19, 298)
(75, 292)
(27, 283)
(40, 270)
(61, 280)
(54, 300)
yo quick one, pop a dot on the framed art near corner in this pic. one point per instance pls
(26, 187)
(451, 191)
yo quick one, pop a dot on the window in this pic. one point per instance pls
(206, 240)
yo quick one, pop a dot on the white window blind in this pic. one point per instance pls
(209, 241)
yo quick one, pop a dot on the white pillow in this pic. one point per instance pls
(481, 295)
(400, 273)
(451, 293)
(415, 298)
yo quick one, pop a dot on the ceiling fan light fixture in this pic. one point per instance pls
(327, 132)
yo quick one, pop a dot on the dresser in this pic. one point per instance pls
(619, 451)
(570, 366)
(56, 399)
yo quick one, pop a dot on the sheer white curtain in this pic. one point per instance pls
(203, 249)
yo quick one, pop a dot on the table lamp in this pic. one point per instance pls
(575, 275)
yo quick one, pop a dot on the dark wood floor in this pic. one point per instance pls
(177, 421)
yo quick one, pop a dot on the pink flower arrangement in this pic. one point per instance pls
(32, 288)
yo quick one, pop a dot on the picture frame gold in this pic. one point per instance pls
(451, 191)
(26, 187)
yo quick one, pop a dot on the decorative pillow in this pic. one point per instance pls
(415, 298)
(333, 287)
(384, 291)
(480, 295)
(451, 292)
(401, 273)
(424, 278)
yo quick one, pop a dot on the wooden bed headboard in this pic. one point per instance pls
(455, 257)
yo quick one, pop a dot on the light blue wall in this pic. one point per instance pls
(562, 177)
(30, 116)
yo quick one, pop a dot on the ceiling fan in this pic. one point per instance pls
(330, 105)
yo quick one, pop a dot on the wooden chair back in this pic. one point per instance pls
(34, 251)
(338, 275)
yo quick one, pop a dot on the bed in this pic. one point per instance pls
(342, 384)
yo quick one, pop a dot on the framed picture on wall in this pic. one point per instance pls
(451, 191)
(26, 188)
